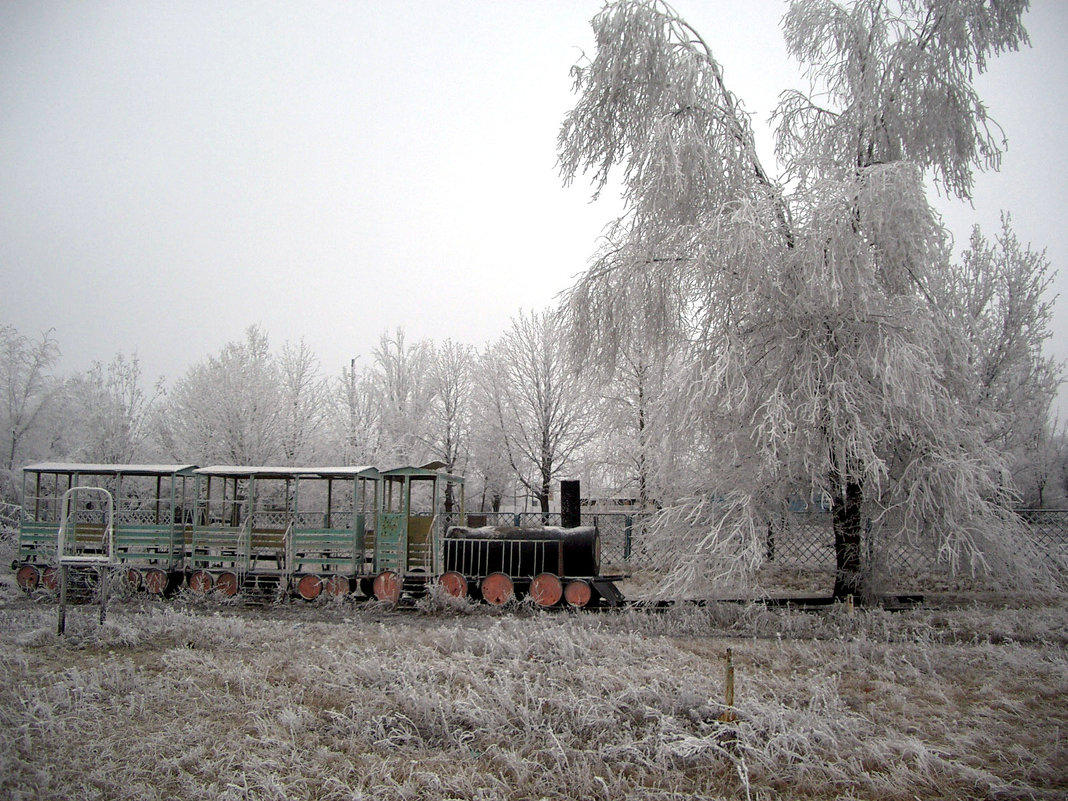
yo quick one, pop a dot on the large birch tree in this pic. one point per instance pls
(817, 360)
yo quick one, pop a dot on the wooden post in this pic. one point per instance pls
(729, 715)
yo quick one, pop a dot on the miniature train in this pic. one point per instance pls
(306, 531)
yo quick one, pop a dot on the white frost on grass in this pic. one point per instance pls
(286, 702)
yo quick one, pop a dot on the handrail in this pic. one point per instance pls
(436, 538)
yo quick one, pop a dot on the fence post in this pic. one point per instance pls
(628, 526)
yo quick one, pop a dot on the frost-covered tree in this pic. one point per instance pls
(304, 404)
(625, 457)
(111, 412)
(401, 377)
(816, 360)
(541, 414)
(354, 416)
(489, 476)
(227, 408)
(1000, 292)
(29, 389)
(448, 423)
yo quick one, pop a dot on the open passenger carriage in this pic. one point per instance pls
(304, 529)
(152, 509)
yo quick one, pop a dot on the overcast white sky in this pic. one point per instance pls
(171, 173)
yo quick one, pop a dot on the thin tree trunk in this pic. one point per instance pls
(849, 566)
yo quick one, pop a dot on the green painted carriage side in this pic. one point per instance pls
(269, 520)
(219, 541)
(220, 548)
(37, 541)
(338, 546)
(391, 542)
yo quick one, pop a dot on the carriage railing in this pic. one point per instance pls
(327, 550)
(289, 549)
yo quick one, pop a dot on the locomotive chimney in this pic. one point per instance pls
(570, 506)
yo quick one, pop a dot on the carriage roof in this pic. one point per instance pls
(70, 468)
(265, 471)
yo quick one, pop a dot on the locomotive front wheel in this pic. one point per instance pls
(387, 586)
(497, 589)
(546, 589)
(309, 587)
(578, 593)
(454, 584)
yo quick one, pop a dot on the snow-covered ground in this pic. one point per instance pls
(965, 698)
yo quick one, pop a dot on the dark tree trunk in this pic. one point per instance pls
(543, 503)
(847, 517)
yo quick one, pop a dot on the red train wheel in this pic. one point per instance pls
(309, 587)
(200, 582)
(50, 578)
(578, 593)
(133, 578)
(387, 586)
(454, 584)
(546, 589)
(155, 581)
(338, 586)
(497, 589)
(227, 584)
(28, 577)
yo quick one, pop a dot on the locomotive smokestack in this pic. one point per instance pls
(570, 506)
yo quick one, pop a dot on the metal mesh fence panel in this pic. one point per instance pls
(805, 541)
